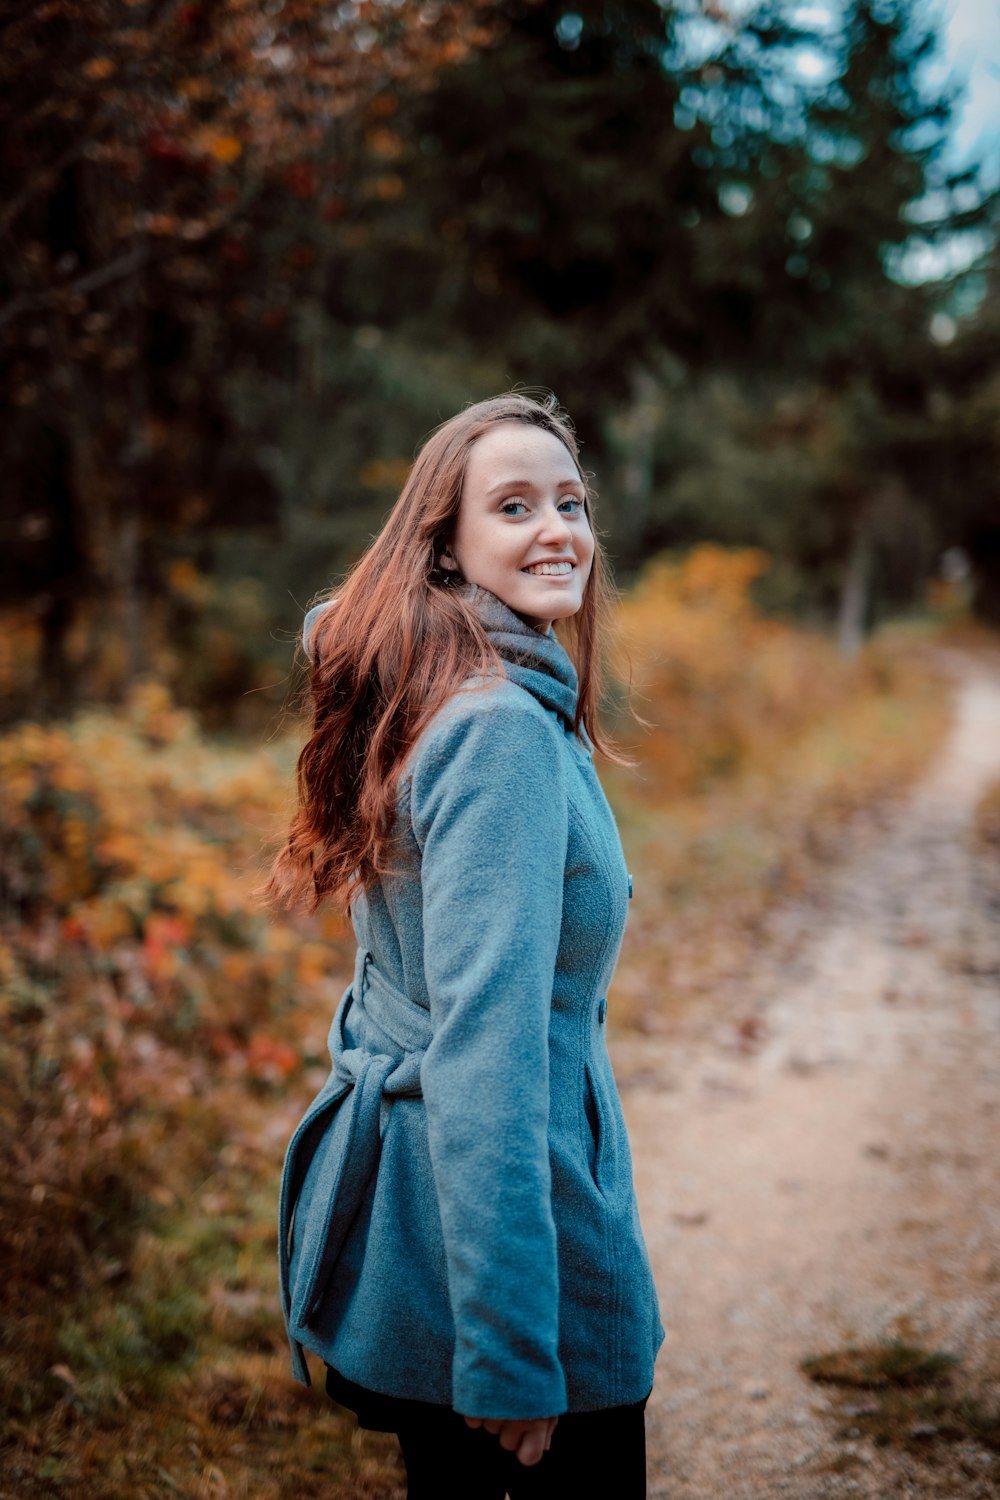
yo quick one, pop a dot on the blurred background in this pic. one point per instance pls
(252, 254)
(255, 252)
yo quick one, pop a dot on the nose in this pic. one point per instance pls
(554, 526)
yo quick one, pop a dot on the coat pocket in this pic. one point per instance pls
(596, 1128)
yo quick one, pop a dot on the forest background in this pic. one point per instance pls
(253, 253)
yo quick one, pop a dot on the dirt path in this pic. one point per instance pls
(830, 1173)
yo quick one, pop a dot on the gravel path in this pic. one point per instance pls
(822, 1166)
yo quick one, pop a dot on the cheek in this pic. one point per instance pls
(482, 548)
(469, 546)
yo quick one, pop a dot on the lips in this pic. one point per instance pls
(558, 568)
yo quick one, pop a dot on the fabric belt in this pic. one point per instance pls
(359, 1080)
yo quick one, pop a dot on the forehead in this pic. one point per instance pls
(518, 451)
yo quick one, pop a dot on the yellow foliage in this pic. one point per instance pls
(762, 743)
(313, 963)
(383, 142)
(719, 683)
(20, 644)
(236, 967)
(225, 148)
(384, 473)
(145, 844)
(388, 185)
(100, 924)
(151, 710)
(184, 579)
(100, 67)
(194, 88)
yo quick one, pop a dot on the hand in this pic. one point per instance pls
(529, 1440)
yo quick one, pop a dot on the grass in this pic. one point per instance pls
(910, 1401)
(172, 1378)
(880, 1366)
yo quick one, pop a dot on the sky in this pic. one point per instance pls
(970, 36)
(969, 32)
(972, 49)
(970, 55)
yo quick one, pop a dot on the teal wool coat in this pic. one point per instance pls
(458, 1218)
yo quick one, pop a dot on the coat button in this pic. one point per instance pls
(630, 888)
(602, 1009)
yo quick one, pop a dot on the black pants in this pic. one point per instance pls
(593, 1453)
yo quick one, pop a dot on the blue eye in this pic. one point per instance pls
(573, 502)
(507, 504)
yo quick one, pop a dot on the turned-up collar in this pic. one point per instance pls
(533, 659)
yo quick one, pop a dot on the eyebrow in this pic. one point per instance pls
(529, 484)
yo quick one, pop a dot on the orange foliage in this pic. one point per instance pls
(720, 684)
(763, 748)
(20, 644)
(133, 953)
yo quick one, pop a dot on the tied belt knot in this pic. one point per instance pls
(393, 1033)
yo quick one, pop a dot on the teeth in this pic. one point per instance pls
(550, 569)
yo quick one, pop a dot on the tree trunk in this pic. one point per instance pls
(635, 435)
(107, 525)
(854, 594)
(983, 545)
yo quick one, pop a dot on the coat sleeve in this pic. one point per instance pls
(489, 809)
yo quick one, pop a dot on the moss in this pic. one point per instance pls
(912, 1401)
(892, 1362)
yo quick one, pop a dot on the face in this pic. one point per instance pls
(522, 529)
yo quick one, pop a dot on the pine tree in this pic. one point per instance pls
(877, 182)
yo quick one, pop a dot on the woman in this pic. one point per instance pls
(459, 1235)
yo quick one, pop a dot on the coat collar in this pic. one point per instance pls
(534, 660)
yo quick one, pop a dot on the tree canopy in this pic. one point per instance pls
(256, 251)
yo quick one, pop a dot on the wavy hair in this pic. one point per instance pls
(397, 645)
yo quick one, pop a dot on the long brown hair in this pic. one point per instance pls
(397, 644)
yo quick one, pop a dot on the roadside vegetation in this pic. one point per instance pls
(899, 1394)
(767, 755)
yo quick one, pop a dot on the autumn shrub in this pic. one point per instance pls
(762, 748)
(722, 685)
(20, 649)
(144, 989)
(214, 643)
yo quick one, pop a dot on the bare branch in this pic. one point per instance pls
(115, 270)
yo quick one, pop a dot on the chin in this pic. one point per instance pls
(526, 603)
(550, 617)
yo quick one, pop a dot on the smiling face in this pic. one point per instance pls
(522, 529)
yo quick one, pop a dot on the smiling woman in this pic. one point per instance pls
(528, 540)
(459, 1238)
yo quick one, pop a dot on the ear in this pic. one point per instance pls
(447, 561)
